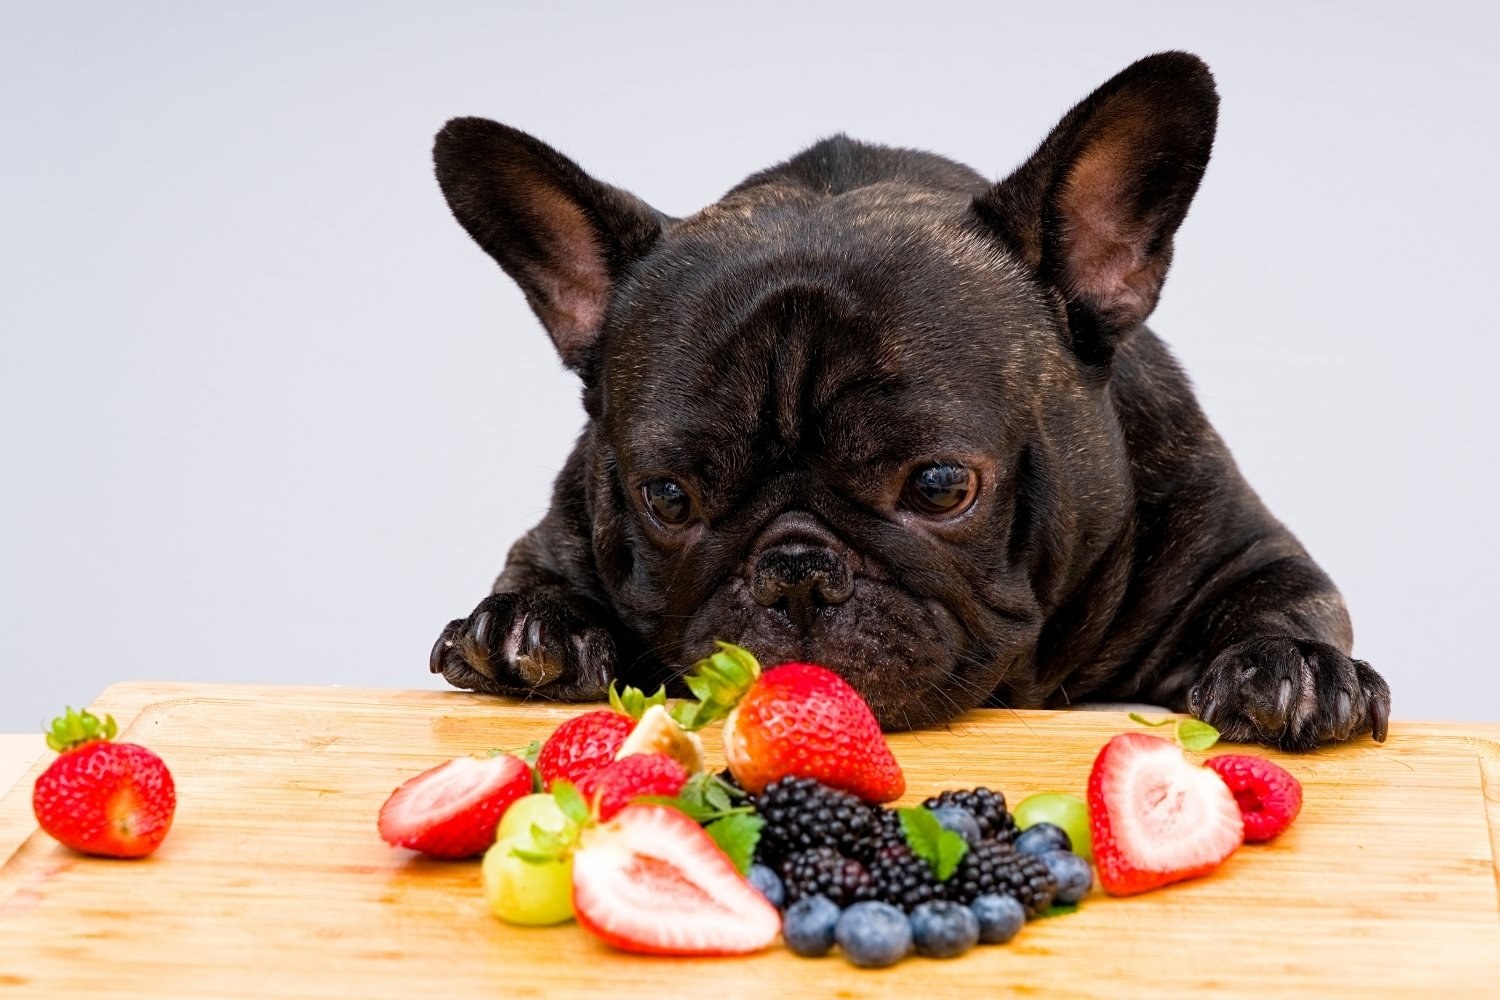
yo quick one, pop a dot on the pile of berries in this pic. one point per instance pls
(862, 875)
(620, 825)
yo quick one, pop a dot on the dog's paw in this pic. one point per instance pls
(1292, 693)
(536, 642)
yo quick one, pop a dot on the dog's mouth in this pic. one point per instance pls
(910, 659)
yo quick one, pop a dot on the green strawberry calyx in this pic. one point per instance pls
(718, 682)
(74, 728)
(633, 701)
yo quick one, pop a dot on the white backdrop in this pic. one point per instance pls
(267, 415)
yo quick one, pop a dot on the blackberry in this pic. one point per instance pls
(801, 814)
(994, 867)
(988, 807)
(903, 879)
(884, 831)
(823, 871)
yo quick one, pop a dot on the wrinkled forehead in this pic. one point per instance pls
(892, 322)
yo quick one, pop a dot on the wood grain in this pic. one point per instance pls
(274, 883)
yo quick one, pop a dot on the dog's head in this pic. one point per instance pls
(858, 411)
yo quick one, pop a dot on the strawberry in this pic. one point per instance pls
(1155, 817)
(616, 783)
(582, 744)
(796, 719)
(653, 881)
(453, 810)
(593, 739)
(1269, 798)
(100, 797)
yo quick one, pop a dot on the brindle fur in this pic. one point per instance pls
(792, 352)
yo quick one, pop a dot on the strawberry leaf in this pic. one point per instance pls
(1196, 735)
(737, 835)
(1058, 910)
(1137, 717)
(941, 848)
(715, 795)
(705, 798)
(570, 801)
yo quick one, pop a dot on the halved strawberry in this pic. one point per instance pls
(615, 784)
(452, 810)
(652, 881)
(1269, 798)
(1156, 817)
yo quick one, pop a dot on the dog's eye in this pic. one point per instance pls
(940, 490)
(668, 502)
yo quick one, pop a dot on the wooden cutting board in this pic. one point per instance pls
(274, 883)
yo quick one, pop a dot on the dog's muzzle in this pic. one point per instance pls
(801, 579)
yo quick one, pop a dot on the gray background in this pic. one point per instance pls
(267, 415)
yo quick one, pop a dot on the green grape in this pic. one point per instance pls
(1067, 811)
(519, 891)
(540, 810)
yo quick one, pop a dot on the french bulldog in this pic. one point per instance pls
(874, 411)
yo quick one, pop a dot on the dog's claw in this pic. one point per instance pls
(437, 659)
(479, 629)
(1343, 716)
(1380, 715)
(1284, 697)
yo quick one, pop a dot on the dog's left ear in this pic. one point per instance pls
(1094, 210)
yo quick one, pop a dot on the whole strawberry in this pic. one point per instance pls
(615, 784)
(793, 720)
(115, 800)
(582, 745)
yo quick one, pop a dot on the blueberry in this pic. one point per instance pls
(873, 935)
(808, 926)
(1000, 918)
(768, 883)
(1041, 838)
(943, 929)
(960, 821)
(1074, 876)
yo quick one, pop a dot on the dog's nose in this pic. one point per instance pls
(802, 578)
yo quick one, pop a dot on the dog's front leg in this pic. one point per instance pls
(1278, 666)
(533, 636)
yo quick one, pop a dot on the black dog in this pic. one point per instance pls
(874, 411)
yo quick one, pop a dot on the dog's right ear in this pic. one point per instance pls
(562, 235)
